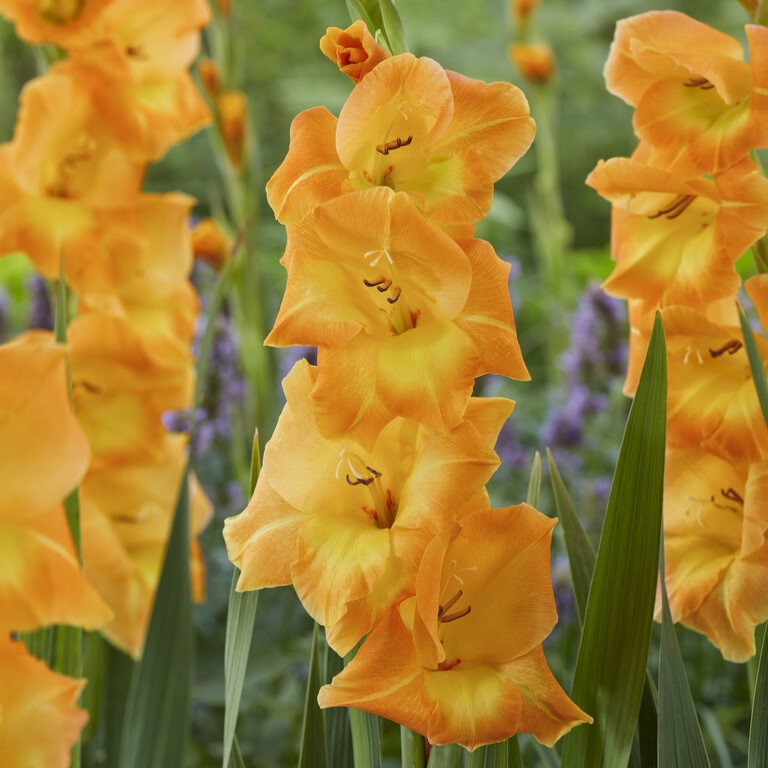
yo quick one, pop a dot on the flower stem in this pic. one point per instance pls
(412, 748)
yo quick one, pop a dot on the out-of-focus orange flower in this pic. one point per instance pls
(126, 518)
(716, 547)
(675, 240)
(61, 22)
(136, 265)
(61, 166)
(232, 116)
(522, 9)
(224, 6)
(348, 525)
(354, 50)
(210, 76)
(698, 103)
(121, 390)
(43, 455)
(405, 317)
(210, 244)
(412, 126)
(30, 691)
(535, 62)
(464, 661)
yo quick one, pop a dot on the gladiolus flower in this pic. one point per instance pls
(405, 317)
(675, 240)
(716, 547)
(32, 697)
(210, 244)
(61, 22)
(347, 525)
(43, 455)
(61, 166)
(409, 125)
(698, 103)
(210, 76)
(535, 62)
(354, 50)
(464, 662)
(126, 515)
(232, 116)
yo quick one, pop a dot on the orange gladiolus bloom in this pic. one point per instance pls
(712, 400)
(61, 22)
(210, 244)
(43, 455)
(675, 240)
(126, 518)
(61, 166)
(698, 103)
(463, 658)
(39, 718)
(135, 265)
(536, 63)
(409, 125)
(405, 317)
(354, 50)
(121, 390)
(716, 547)
(347, 525)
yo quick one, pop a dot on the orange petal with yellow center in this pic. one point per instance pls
(311, 172)
(712, 400)
(41, 582)
(40, 719)
(39, 464)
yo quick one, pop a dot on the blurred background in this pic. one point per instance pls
(552, 230)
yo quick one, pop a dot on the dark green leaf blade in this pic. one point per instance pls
(610, 670)
(449, 756)
(393, 27)
(313, 752)
(681, 744)
(758, 726)
(156, 726)
(241, 614)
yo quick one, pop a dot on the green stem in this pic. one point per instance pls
(412, 748)
(760, 253)
(761, 14)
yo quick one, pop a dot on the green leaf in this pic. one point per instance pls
(515, 760)
(156, 726)
(118, 674)
(366, 731)
(313, 752)
(393, 27)
(610, 669)
(758, 726)
(681, 744)
(339, 735)
(412, 748)
(241, 614)
(581, 553)
(755, 363)
(449, 756)
(236, 760)
(534, 482)
(357, 11)
(581, 560)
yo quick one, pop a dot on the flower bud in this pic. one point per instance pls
(210, 244)
(354, 50)
(232, 110)
(535, 62)
(209, 76)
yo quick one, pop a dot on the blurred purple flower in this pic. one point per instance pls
(40, 309)
(5, 301)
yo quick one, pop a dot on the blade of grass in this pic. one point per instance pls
(411, 748)
(681, 744)
(758, 725)
(366, 732)
(755, 363)
(610, 669)
(337, 728)
(534, 482)
(313, 751)
(241, 614)
(156, 727)
(449, 756)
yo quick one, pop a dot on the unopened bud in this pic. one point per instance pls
(232, 111)
(354, 50)
(522, 9)
(210, 244)
(535, 62)
(209, 76)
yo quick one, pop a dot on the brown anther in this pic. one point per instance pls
(677, 208)
(731, 347)
(732, 495)
(445, 618)
(136, 52)
(385, 286)
(374, 472)
(360, 480)
(441, 609)
(698, 82)
(444, 666)
(88, 386)
(389, 146)
(395, 295)
(378, 281)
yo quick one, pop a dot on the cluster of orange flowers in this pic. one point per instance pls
(686, 206)
(371, 500)
(70, 200)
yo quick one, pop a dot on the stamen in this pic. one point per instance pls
(384, 287)
(699, 82)
(731, 347)
(360, 480)
(444, 617)
(732, 495)
(395, 295)
(441, 609)
(444, 666)
(677, 208)
(390, 146)
(372, 283)
(453, 616)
